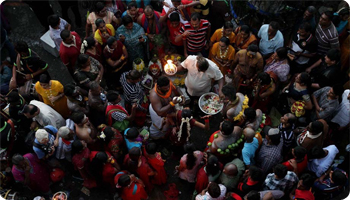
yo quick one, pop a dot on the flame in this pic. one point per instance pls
(169, 66)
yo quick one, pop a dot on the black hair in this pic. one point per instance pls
(94, 85)
(99, 21)
(22, 47)
(132, 133)
(132, 4)
(124, 180)
(151, 148)
(282, 53)
(316, 153)
(90, 42)
(13, 96)
(338, 89)
(127, 20)
(82, 59)
(31, 109)
(163, 81)
(65, 34)
(264, 78)
(255, 173)
(305, 79)
(253, 48)
(338, 18)
(245, 29)
(99, 6)
(228, 24)
(112, 95)
(333, 54)
(110, 41)
(195, 16)
(214, 190)
(275, 139)
(329, 15)
(308, 180)
(202, 63)
(316, 127)
(212, 166)
(77, 147)
(148, 7)
(250, 113)
(299, 152)
(69, 89)
(311, 9)
(229, 91)
(291, 118)
(227, 127)
(134, 155)
(274, 25)
(77, 117)
(133, 75)
(280, 170)
(53, 20)
(174, 17)
(44, 78)
(108, 131)
(253, 195)
(338, 177)
(306, 27)
(225, 40)
(191, 159)
(97, 164)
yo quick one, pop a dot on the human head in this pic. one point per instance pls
(19, 161)
(163, 84)
(273, 28)
(305, 30)
(135, 153)
(299, 152)
(113, 97)
(42, 136)
(212, 167)
(303, 79)
(132, 133)
(79, 118)
(69, 90)
(223, 43)
(264, 78)
(280, 171)
(95, 88)
(149, 12)
(134, 76)
(54, 21)
(316, 153)
(326, 19)
(78, 146)
(124, 180)
(214, 190)
(249, 134)
(132, 8)
(191, 159)
(65, 133)
(229, 91)
(226, 127)
(228, 28)
(151, 148)
(309, 13)
(30, 111)
(255, 173)
(195, 20)
(336, 91)
(230, 170)
(13, 97)
(128, 22)
(83, 61)
(186, 112)
(249, 114)
(44, 81)
(252, 50)
(202, 64)
(22, 48)
(174, 19)
(273, 136)
(101, 25)
(288, 119)
(316, 127)
(66, 36)
(332, 57)
(306, 181)
(88, 43)
(112, 43)
(338, 177)
(100, 9)
(281, 53)
(245, 31)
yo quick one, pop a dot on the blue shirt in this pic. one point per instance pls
(248, 151)
(129, 144)
(40, 153)
(267, 46)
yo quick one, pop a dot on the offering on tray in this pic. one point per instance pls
(210, 103)
(60, 196)
(170, 68)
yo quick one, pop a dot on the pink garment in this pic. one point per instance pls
(190, 175)
(39, 174)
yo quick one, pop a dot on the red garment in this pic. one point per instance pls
(145, 25)
(188, 9)
(158, 165)
(236, 196)
(134, 192)
(174, 138)
(98, 55)
(108, 169)
(115, 145)
(301, 165)
(173, 33)
(81, 162)
(140, 116)
(304, 194)
(69, 55)
(211, 139)
(202, 180)
(109, 114)
(117, 53)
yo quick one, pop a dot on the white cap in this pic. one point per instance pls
(41, 134)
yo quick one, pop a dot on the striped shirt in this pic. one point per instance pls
(327, 38)
(132, 92)
(197, 38)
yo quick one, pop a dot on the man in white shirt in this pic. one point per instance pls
(342, 114)
(322, 159)
(57, 25)
(214, 191)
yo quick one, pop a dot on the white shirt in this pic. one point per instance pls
(342, 116)
(199, 83)
(208, 197)
(183, 21)
(47, 115)
(320, 166)
(55, 33)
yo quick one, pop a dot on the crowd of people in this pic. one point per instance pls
(125, 116)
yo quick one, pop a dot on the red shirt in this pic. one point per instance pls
(173, 33)
(304, 194)
(69, 55)
(301, 166)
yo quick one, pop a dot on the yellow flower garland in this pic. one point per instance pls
(245, 105)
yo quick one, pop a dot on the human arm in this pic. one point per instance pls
(293, 163)
(221, 84)
(163, 19)
(316, 64)
(119, 61)
(133, 111)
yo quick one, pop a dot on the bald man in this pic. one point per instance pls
(232, 172)
(250, 146)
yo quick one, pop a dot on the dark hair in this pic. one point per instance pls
(255, 173)
(333, 54)
(133, 75)
(305, 79)
(31, 109)
(151, 148)
(202, 63)
(77, 147)
(112, 95)
(13, 96)
(214, 190)
(308, 180)
(94, 85)
(99, 6)
(275, 139)
(212, 166)
(110, 41)
(229, 91)
(195, 16)
(99, 21)
(124, 180)
(227, 127)
(132, 4)
(53, 20)
(225, 40)
(311, 9)
(127, 20)
(82, 59)
(44, 78)
(274, 25)
(185, 113)
(134, 155)
(174, 17)
(280, 170)
(253, 195)
(250, 113)
(97, 164)
(77, 117)
(253, 48)
(245, 29)
(329, 14)
(338, 89)
(132, 133)
(69, 89)
(191, 159)
(65, 34)
(22, 47)
(316, 127)
(90, 42)
(282, 53)
(291, 118)
(265, 78)
(338, 177)
(108, 131)
(299, 152)
(306, 27)
(163, 81)
(316, 153)
(228, 24)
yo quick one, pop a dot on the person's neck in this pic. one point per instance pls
(325, 26)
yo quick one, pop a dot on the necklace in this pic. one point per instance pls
(222, 56)
(48, 93)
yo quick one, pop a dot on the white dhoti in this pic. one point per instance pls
(158, 128)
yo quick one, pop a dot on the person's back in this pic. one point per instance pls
(57, 25)
(47, 115)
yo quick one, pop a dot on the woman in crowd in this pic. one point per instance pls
(244, 38)
(91, 47)
(222, 54)
(278, 64)
(103, 31)
(208, 173)
(133, 11)
(225, 31)
(112, 141)
(51, 93)
(263, 89)
(131, 186)
(298, 163)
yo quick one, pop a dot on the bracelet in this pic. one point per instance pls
(172, 103)
(32, 75)
(206, 120)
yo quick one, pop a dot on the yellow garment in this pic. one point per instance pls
(56, 89)
(215, 51)
(218, 35)
(98, 36)
(198, 10)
